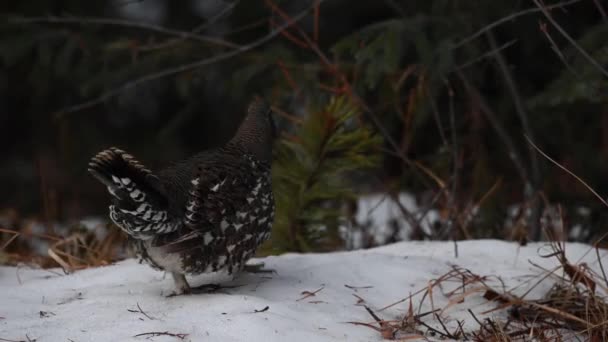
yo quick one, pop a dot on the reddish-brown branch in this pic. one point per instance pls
(289, 36)
(316, 21)
(287, 76)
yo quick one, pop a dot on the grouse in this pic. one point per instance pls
(206, 214)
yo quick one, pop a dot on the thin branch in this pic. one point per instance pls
(140, 310)
(452, 207)
(487, 54)
(409, 217)
(435, 112)
(7, 340)
(307, 294)
(181, 336)
(567, 171)
(122, 23)
(181, 68)
(11, 239)
(500, 130)
(196, 30)
(565, 34)
(555, 48)
(249, 26)
(434, 330)
(522, 113)
(599, 259)
(601, 9)
(509, 18)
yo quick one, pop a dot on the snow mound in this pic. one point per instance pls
(117, 302)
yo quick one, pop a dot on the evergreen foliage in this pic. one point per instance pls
(311, 176)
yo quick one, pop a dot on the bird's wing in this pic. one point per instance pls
(140, 206)
(221, 190)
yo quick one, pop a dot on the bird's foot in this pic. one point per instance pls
(206, 288)
(181, 285)
(176, 293)
(257, 268)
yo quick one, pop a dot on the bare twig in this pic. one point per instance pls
(262, 310)
(31, 234)
(445, 329)
(455, 170)
(481, 325)
(434, 330)
(139, 310)
(509, 18)
(183, 67)
(162, 333)
(567, 171)
(486, 55)
(555, 48)
(601, 9)
(533, 219)
(498, 127)
(435, 112)
(373, 314)
(196, 30)
(599, 259)
(409, 216)
(123, 23)
(571, 40)
(7, 340)
(11, 239)
(360, 300)
(307, 294)
(357, 287)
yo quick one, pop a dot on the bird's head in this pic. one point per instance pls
(257, 131)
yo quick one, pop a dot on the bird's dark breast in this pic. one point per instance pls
(233, 221)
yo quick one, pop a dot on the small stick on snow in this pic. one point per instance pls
(309, 294)
(262, 310)
(359, 299)
(7, 340)
(163, 333)
(357, 287)
(139, 309)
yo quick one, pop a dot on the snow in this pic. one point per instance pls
(101, 304)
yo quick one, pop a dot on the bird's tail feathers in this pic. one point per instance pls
(140, 206)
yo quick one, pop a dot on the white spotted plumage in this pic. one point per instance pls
(202, 215)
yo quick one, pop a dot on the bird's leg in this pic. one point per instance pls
(181, 284)
(257, 268)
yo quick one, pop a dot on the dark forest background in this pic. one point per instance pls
(434, 98)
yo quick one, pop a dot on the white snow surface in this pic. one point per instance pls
(101, 304)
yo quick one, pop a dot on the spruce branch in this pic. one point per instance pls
(311, 171)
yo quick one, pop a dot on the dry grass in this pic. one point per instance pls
(83, 250)
(73, 248)
(575, 308)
